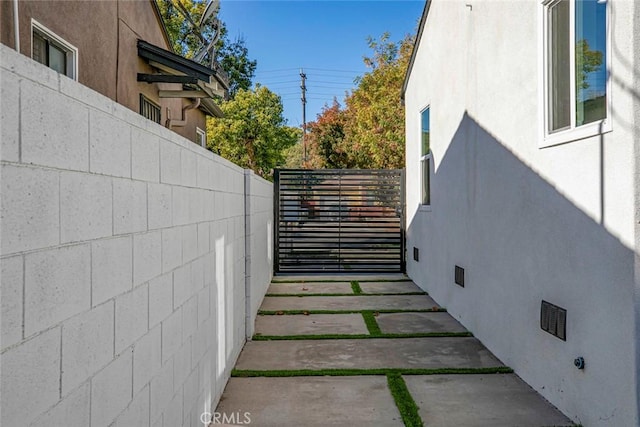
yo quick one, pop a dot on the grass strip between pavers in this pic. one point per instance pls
(250, 373)
(307, 312)
(372, 323)
(336, 280)
(355, 287)
(259, 337)
(346, 295)
(404, 401)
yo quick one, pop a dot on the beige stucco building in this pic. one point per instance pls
(106, 45)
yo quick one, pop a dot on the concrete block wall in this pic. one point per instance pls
(123, 269)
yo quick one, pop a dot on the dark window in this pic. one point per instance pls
(149, 109)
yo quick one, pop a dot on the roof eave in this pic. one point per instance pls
(416, 45)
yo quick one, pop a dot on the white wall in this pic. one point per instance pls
(527, 223)
(123, 278)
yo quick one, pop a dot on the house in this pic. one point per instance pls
(522, 132)
(120, 49)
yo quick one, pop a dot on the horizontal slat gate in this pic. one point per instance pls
(339, 220)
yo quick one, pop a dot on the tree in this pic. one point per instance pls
(181, 18)
(587, 61)
(374, 128)
(325, 141)
(253, 132)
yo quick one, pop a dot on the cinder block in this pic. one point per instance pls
(25, 66)
(55, 128)
(85, 206)
(72, 411)
(132, 317)
(9, 116)
(145, 155)
(197, 274)
(137, 413)
(159, 200)
(161, 390)
(160, 298)
(181, 366)
(170, 163)
(196, 205)
(87, 345)
(171, 248)
(30, 378)
(111, 268)
(206, 376)
(173, 412)
(188, 166)
(189, 243)
(109, 145)
(171, 335)
(203, 166)
(11, 282)
(56, 286)
(147, 256)
(203, 305)
(189, 318)
(191, 389)
(201, 341)
(111, 390)
(86, 95)
(182, 288)
(180, 206)
(26, 194)
(147, 360)
(203, 238)
(129, 206)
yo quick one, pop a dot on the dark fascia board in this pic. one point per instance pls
(416, 45)
(211, 108)
(173, 61)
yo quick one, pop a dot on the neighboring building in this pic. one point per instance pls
(120, 49)
(523, 126)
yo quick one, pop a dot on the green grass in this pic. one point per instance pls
(404, 401)
(355, 287)
(258, 337)
(305, 312)
(274, 280)
(372, 323)
(250, 373)
(344, 295)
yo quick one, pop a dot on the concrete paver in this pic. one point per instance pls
(410, 323)
(312, 401)
(311, 288)
(314, 324)
(480, 401)
(389, 287)
(339, 277)
(382, 302)
(430, 353)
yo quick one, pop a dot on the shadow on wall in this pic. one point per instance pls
(521, 241)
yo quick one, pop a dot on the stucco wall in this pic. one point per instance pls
(124, 278)
(527, 223)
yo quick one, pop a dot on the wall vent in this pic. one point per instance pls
(459, 276)
(553, 319)
(416, 254)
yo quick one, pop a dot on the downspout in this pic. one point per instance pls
(16, 26)
(183, 122)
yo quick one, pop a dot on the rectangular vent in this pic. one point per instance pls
(416, 254)
(553, 319)
(459, 276)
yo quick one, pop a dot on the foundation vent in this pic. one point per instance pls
(416, 254)
(459, 276)
(553, 319)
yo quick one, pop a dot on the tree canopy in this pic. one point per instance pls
(253, 132)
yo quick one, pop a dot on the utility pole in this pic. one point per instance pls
(303, 86)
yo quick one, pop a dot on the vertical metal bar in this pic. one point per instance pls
(276, 221)
(403, 243)
(340, 260)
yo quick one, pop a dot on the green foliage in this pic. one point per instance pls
(355, 287)
(369, 131)
(587, 61)
(253, 132)
(372, 324)
(404, 401)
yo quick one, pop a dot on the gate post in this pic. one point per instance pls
(276, 221)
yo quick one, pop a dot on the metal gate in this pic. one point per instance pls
(339, 220)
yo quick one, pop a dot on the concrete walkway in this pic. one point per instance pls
(371, 351)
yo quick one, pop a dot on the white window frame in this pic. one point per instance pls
(201, 137)
(425, 158)
(574, 133)
(71, 50)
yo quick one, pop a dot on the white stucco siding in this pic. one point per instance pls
(527, 223)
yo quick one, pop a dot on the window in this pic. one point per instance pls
(52, 51)
(425, 160)
(201, 137)
(576, 71)
(149, 109)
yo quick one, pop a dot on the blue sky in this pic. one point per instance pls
(325, 38)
